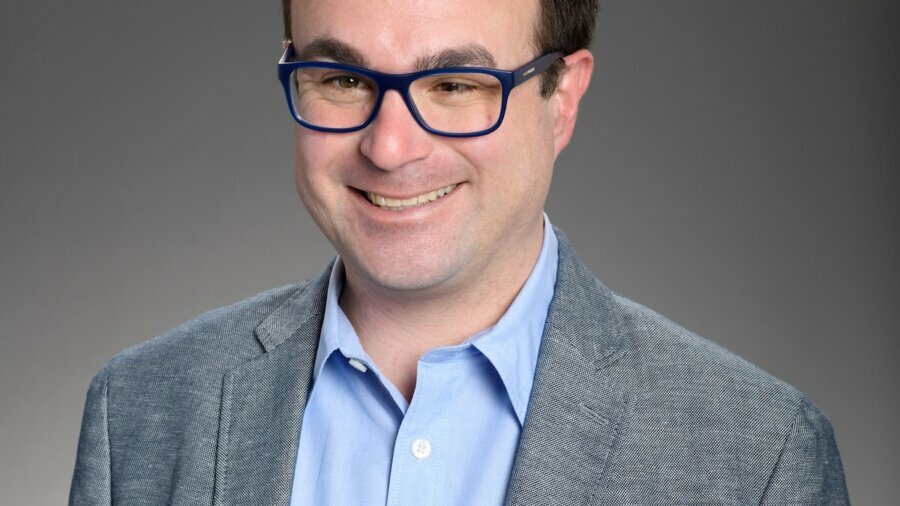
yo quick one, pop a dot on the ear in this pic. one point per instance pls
(572, 85)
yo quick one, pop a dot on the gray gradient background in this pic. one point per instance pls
(735, 168)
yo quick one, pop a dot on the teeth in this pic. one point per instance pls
(401, 204)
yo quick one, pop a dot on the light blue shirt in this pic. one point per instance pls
(361, 443)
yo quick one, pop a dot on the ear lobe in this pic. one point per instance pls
(572, 85)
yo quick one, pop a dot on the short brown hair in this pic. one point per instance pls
(563, 25)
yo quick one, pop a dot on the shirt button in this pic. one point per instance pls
(359, 366)
(421, 449)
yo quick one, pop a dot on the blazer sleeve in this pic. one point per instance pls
(91, 482)
(809, 469)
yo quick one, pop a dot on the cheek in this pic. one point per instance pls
(304, 159)
(316, 157)
(316, 172)
(525, 151)
(538, 142)
(528, 168)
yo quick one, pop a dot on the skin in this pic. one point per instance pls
(435, 274)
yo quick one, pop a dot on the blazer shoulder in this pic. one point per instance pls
(667, 359)
(701, 411)
(213, 341)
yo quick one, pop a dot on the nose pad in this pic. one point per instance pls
(394, 138)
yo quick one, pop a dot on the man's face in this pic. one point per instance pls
(499, 181)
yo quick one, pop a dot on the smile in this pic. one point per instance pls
(401, 204)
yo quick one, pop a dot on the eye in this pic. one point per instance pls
(344, 81)
(454, 87)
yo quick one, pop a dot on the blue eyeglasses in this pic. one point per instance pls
(453, 101)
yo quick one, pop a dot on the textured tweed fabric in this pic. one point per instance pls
(627, 408)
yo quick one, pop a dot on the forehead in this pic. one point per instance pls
(393, 34)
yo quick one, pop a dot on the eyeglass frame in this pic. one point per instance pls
(385, 82)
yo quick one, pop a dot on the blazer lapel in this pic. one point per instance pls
(575, 419)
(576, 413)
(263, 402)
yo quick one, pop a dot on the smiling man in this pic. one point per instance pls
(456, 351)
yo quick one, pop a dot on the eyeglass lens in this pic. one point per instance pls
(462, 102)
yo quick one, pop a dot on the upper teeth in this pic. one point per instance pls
(401, 204)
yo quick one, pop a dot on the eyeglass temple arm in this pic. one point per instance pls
(526, 72)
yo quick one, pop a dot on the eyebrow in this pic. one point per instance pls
(474, 55)
(333, 49)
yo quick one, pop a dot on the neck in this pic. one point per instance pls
(396, 329)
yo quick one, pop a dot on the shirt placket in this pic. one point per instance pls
(421, 450)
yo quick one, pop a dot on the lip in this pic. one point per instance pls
(401, 196)
(418, 212)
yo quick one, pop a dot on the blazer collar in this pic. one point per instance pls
(575, 415)
(263, 402)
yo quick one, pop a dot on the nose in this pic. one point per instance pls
(394, 139)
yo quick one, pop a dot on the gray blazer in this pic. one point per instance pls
(627, 408)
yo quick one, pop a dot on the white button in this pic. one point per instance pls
(359, 366)
(421, 449)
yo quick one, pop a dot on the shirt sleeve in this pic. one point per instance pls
(809, 469)
(91, 482)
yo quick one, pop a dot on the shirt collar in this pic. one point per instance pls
(337, 331)
(511, 345)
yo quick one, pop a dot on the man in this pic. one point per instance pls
(457, 351)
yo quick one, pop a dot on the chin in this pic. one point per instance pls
(414, 271)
